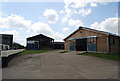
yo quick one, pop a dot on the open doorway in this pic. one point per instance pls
(81, 44)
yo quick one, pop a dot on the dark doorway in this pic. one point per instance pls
(36, 46)
(81, 44)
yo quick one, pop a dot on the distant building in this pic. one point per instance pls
(39, 42)
(58, 45)
(86, 39)
(6, 41)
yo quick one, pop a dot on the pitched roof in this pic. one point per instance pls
(39, 36)
(103, 32)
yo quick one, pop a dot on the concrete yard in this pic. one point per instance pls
(55, 65)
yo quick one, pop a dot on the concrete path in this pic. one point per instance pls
(54, 65)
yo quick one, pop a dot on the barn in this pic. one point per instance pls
(39, 42)
(87, 39)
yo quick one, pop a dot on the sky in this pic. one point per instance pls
(56, 19)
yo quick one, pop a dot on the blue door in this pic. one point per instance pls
(91, 47)
(72, 47)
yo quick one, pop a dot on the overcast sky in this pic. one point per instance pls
(56, 19)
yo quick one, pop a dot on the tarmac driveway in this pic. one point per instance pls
(54, 65)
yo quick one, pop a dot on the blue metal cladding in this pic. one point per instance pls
(72, 47)
(36, 46)
(33, 46)
(91, 47)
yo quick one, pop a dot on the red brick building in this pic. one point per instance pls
(86, 39)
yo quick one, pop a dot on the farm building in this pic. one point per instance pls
(58, 45)
(86, 39)
(6, 41)
(39, 42)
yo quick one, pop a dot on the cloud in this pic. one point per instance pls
(109, 25)
(78, 4)
(68, 13)
(51, 15)
(61, 12)
(66, 29)
(64, 19)
(43, 28)
(84, 12)
(14, 21)
(75, 23)
(1, 14)
(75, 3)
(73, 7)
(58, 36)
(93, 4)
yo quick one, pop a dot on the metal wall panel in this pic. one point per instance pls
(91, 47)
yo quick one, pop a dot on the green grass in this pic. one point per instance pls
(110, 56)
(63, 52)
(26, 52)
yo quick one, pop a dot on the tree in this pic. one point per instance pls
(17, 46)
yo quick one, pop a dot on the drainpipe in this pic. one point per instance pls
(75, 45)
(108, 44)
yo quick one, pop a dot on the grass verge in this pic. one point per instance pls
(63, 52)
(26, 52)
(110, 56)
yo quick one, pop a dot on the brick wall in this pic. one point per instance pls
(102, 44)
(67, 45)
(86, 33)
(114, 47)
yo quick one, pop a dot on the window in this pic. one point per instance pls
(91, 40)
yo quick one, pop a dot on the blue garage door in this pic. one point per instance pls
(91, 47)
